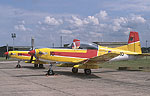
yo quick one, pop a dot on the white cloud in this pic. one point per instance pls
(138, 19)
(52, 21)
(76, 21)
(102, 15)
(92, 19)
(119, 22)
(20, 27)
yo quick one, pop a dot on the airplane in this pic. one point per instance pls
(89, 56)
(24, 56)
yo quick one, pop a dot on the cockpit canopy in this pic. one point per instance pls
(85, 46)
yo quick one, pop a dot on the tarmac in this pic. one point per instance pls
(28, 81)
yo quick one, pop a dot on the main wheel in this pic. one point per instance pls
(18, 66)
(35, 65)
(87, 71)
(75, 70)
(50, 72)
(41, 66)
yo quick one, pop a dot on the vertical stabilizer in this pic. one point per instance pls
(134, 42)
(133, 37)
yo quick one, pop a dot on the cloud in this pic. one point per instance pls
(76, 21)
(20, 27)
(137, 19)
(87, 28)
(52, 21)
(92, 19)
(102, 14)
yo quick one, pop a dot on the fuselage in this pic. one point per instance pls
(78, 55)
(19, 55)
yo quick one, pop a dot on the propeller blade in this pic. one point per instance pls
(32, 53)
(7, 55)
(31, 59)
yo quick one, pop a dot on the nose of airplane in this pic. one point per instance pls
(32, 52)
(6, 53)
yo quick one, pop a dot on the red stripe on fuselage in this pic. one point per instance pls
(88, 54)
(23, 54)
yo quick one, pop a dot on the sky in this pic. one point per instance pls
(88, 20)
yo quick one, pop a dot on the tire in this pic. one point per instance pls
(18, 66)
(74, 70)
(35, 65)
(50, 72)
(41, 66)
(87, 71)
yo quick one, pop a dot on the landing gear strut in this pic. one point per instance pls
(18, 65)
(50, 71)
(75, 70)
(87, 71)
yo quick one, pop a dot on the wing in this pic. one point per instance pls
(92, 63)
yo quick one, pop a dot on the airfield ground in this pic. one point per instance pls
(28, 81)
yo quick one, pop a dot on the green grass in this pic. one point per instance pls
(133, 64)
(4, 59)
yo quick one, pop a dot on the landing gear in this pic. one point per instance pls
(75, 70)
(18, 65)
(50, 71)
(87, 71)
(35, 65)
(41, 66)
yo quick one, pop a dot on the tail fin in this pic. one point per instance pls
(133, 37)
(134, 42)
(76, 44)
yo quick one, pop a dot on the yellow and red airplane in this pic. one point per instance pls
(89, 56)
(24, 56)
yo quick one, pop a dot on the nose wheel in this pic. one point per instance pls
(74, 70)
(50, 71)
(87, 71)
(18, 65)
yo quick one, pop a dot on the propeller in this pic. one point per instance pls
(7, 55)
(32, 53)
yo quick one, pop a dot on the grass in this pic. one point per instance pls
(4, 59)
(133, 64)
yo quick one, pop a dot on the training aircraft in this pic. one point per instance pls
(24, 56)
(89, 56)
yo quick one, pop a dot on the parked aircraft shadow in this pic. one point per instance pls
(31, 67)
(30, 75)
(7, 68)
(106, 71)
(77, 75)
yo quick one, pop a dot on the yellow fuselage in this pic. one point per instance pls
(78, 55)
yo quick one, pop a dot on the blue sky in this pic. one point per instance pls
(87, 20)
